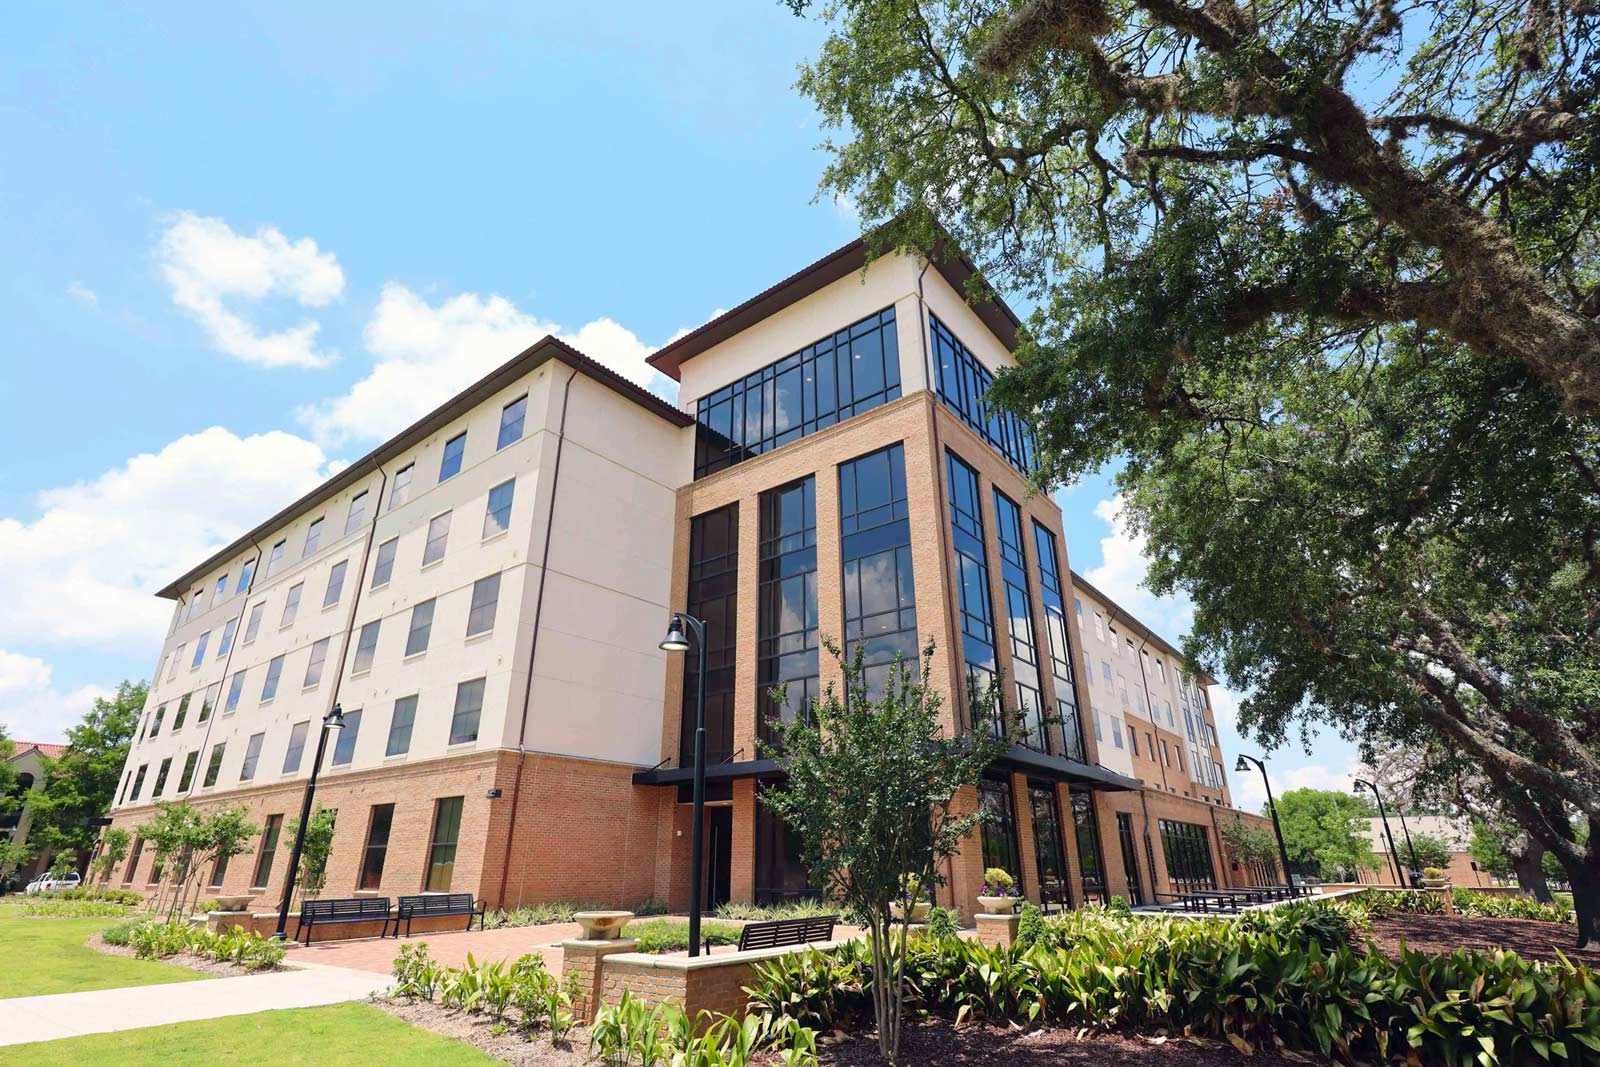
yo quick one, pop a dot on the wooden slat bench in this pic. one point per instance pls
(782, 932)
(314, 913)
(433, 905)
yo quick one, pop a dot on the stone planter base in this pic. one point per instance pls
(998, 930)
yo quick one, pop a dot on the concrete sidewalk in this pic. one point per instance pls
(49, 1018)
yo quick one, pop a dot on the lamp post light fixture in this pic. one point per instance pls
(332, 723)
(1416, 867)
(677, 641)
(1394, 853)
(1283, 850)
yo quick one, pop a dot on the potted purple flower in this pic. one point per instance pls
(999, 894)
(913, 902)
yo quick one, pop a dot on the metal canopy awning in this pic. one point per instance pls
(715, 772)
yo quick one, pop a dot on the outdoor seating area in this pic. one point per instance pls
(1225, 901)
(779, 933)
(344, 911)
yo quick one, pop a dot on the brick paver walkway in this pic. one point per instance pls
(448, 947)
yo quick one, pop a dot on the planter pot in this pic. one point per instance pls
(1435, 883)
(919, 911)
(999, 905)
(235, 902)
(602, 925)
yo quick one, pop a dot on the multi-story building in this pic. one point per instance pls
(483, 595)
(27, 759)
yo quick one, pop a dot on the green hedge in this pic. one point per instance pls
(1256, 983)
(1495, 906)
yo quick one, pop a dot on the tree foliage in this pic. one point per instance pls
(1252, 845)
(1326, 831)
(871, 789)
(1429, 850)
(1324, 279)
(314, 851)
(81, 784)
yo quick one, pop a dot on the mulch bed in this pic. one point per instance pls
(194, 963)
(926, 1043)
(1528, 938)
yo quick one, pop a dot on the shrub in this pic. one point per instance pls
(560, 911)
(118, 934)
(92, 893)
(1326, 923)
(1119, 906)
(1404, 902)
(652, 907)
(942, 923)
(1030, 927)
(793, 909)
(73, 909)
(997, 883)
(1493, 906)
(633, 1031)
(672, 935)
(156, 940)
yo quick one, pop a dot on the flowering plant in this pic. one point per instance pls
(997, 883)
(910, 889)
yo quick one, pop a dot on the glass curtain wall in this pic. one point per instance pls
(713, 592)
(880, 600)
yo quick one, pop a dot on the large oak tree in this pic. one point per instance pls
(1323, 276)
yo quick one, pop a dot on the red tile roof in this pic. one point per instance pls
(47, 750)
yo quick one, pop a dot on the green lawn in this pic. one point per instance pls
(341, 1034)
(39, 956)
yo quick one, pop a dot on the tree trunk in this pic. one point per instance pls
(1529, 867)
(1585, 879)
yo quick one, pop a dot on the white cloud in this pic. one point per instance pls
(1251, 795)
(30, 708)
(83, 294)
(425, 353)
(206, 264)
(86, 569)
(1121, 574)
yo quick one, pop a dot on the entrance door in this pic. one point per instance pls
(1130, 858)
(719, 856)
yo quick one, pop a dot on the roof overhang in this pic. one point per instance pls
(1059, 768)
(534, 356)
(955, 269)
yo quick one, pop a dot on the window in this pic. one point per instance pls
(383, 566)
(228, 630)
(1130, 858)
(438, 537)
(235, 688)
(485, 595)
(200, 650)
(297, 747)
(357, 513)
(1055, 625)
(252, 755)
(421, 627)
(186, 778)
(269, 687)
(366, 647)
(962, 384)
(176, 656)
(195, 602)
(1099, 627)
(442, 847)
(713, 589)
(245, 574)
(335, 584)
(846, 374)
(133, 860)
(291, 605)
(161, 777)
(269, 845)
(138, 782)
(214, 765)
(469, 709)
(999, 827)
(400, 492)
(344, 749)
(454, 449)
(405, 714)
(155, 724)
(1133, 741)
(1116, 731)
(219, 871)
(183, 712)
(1188, 851)
(786, 649)
(319, 656)
(253, 627)
(313, 538)
(275, 558)
(208, 703)
(972, 585)
(1087, 833)
(497, 516)
(377, 847)
(1048, 851)
(1019, 620)
(880, 597)
(219, 591)
(512, 417)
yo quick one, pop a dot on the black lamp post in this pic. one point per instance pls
(332, 723)
(1394, 853)
(1283, 850)
(1416, 867)
(676, 641)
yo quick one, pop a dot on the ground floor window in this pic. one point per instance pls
(442, 848)
(269, 846)
(1047, 845)
(1087, 833)
(133, 860)
(219, 871)
(1130, 857)
(999, 827)
(377, 849)
(1188, 850)
(781, 874)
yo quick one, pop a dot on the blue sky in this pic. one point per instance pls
(242, 246)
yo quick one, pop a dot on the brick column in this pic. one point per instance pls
(742, 861)
(1027, 856)
(583, 958)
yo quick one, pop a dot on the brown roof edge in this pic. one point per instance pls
(955, 268)
(535, 355)
(1153, 637)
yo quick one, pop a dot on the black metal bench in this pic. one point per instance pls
(782, 932)
(434, 905)
(314, 913)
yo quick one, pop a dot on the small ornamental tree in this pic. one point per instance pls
(871, 777)
(1254, 846)
(1430, 850)
(175, 834)
(113, 850)
(314, 851)
(13, 854)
